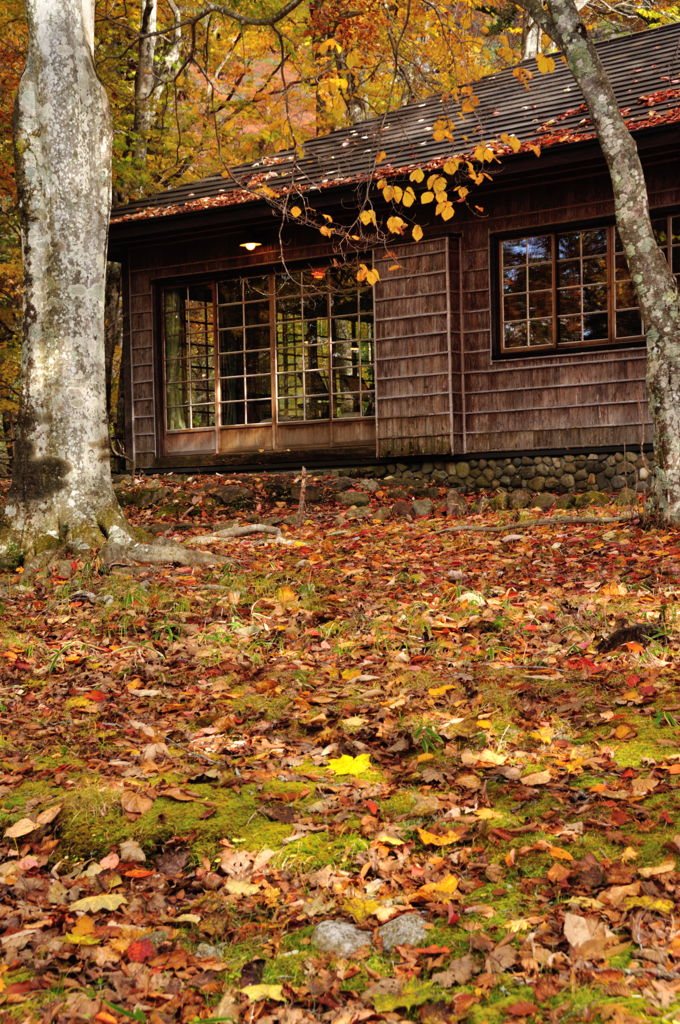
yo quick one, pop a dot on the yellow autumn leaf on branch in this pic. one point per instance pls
(396, 225)
(546, 65)
(295, 211)
(367, 217)
(409, 197)
(427, 197)
(417, 232)
(416, 175)
(347, 765)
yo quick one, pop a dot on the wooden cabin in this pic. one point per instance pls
(509, 329)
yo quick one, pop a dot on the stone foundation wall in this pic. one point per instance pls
(556, 474)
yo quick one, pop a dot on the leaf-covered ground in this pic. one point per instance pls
(198, 766)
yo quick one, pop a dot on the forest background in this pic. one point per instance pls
(193, 91)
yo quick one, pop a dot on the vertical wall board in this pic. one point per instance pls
(415, 407)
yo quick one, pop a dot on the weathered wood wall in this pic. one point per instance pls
(413, 352)
(554, 400)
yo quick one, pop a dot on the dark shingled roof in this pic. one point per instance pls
(644, 70)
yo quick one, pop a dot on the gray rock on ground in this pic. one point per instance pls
(343, 938)
(409, 929)
(455, 504)
(520, 499)
(423, 507)
(339, 937)
(348, 498)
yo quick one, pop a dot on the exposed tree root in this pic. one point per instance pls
(39, 538)
(556, 521)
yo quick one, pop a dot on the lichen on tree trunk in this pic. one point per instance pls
(61, 483)
(655, 286)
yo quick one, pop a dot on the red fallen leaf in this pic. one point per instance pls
(666, 817)
(138, 873)
(22, 665)
(522, 1009)
(452, 915)
(372, 806)
(432, 950)
(95, 695)
(140, 950)
(20, 988)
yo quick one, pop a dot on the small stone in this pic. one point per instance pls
(403, 510)
(340, 937)
(407, 930)
(424, 507)
(591, 498)
(462, 470)
(398, 492)
(564, 501)
(520, 498)
(480, 504)
(369, 485)
(455, 504)
(313, 494)
(643, 473)
(543, 501)
(64, 570)
(625, 497)
(206, 951)
(617, 482)
(234, 495)
(567, 480)
(500, 502)
(358, 513)
(381, 515)
(348, 498)
(537, 483)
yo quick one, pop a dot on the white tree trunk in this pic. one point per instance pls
(61, 485)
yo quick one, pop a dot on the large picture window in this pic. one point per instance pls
(572, 288)
(294, 346)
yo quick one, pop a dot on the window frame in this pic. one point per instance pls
(496, 241)
(213, 282)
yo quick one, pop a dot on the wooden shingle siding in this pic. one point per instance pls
(413, 356)
(551, 400)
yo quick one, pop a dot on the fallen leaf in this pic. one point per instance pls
(259, 993)
(105, 901)
(347, 765)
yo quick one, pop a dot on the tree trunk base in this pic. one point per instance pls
(31, 529)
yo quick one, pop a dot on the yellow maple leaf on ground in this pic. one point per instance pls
(347, 765)
(439, 890)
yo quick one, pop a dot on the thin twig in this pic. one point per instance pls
(303, 493)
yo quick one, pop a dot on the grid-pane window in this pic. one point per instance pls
(572, 288)
(528, 292)
(324, 345)
(244, 351)
(302, 354)
(293, 346)
(582, 286)
(351, 331)
(188, 330)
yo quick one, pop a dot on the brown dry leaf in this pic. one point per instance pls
(536, 779)
(458, 972)
(586, 936)
(22, 827)
(176, 793)
(135, 804)
(658, 869)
